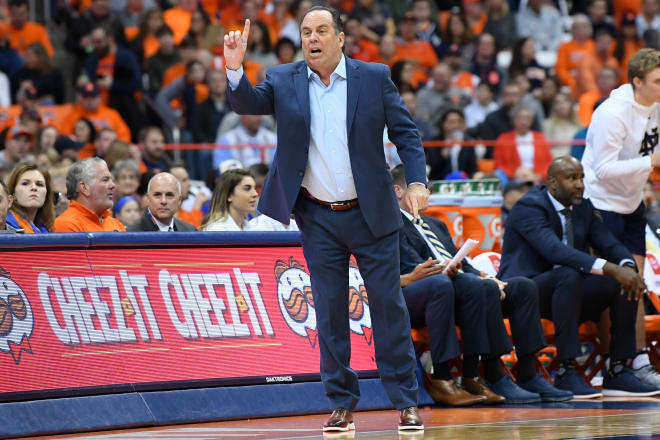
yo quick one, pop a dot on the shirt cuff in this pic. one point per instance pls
(417, 183)
(597, 268)
(234, 77)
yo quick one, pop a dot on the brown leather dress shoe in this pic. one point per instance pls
(478, 387)
(340, 420)
(409, 419)
(447, 392)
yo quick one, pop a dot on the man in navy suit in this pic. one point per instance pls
(547, 238)
(330, 170)
(480, 303)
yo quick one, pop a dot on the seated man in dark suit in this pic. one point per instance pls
(163, 201)
(480, 303)
(547, 238)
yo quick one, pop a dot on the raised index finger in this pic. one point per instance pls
(246, 30)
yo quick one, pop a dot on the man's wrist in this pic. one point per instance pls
(629, 263)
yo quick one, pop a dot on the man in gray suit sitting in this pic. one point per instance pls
(164, 199)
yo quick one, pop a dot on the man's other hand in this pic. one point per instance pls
(416, 198)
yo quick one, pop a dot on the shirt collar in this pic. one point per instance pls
(89, 213)
(162, 226)
(340, 70)
(407, 214)
(558, 206)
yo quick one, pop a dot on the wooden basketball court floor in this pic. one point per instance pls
(610, 418)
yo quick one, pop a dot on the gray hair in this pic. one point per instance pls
(82, 171)
(522, 108)
(582, 19)
(126, 164)
(178, 182)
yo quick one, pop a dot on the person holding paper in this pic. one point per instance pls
(479, 304)
(548, 238)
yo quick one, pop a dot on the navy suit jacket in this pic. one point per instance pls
(413, 249)
(533, 234)
(372, 103)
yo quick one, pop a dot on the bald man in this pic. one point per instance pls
(163, 201)
(548, 236)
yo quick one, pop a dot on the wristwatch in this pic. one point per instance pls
(631, 265)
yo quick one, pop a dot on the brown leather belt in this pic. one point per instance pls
(335, 206)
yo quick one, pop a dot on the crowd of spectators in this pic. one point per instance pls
(126, 78)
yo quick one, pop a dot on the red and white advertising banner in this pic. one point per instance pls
(100, 317)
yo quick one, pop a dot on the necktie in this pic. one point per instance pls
(169, 229)
(433, 239)
(569, 226)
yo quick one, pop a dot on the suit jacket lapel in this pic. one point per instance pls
(553, 217)
(353, 91)
(416, 240)
(149, 222)
(301, 84)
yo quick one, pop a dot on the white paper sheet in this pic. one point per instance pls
(462, 253)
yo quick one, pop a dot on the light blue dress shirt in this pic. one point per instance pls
(328, 175)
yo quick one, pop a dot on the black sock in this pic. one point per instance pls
(526, 368)
(616, 366)
(564, 365)
(441, 371)
(470, 365)
(492, 369)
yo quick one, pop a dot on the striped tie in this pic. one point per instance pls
(433, 239)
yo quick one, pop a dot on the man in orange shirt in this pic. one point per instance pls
(410, 48)
(592, 63)
(187, 52)
(89, 106)
(101, 145)
(608, 80)
(387, 51)
(178, 18)
(89, 187)
(22, 32)
(570, 53)
(361, 48)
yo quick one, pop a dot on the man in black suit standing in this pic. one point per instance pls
(547, 238)
(480, 303)
(163, 201)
